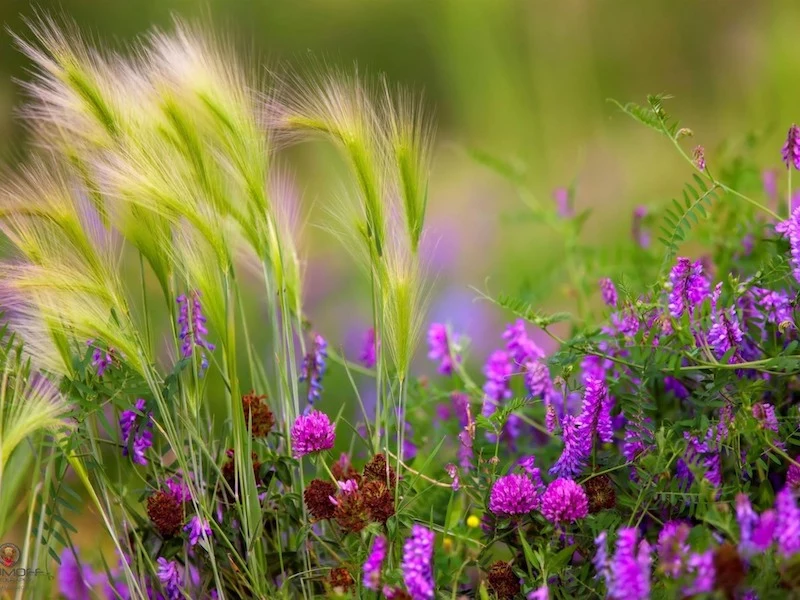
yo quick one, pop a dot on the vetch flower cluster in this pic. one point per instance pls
(136, 427)
(192, 328)
(313, 368)
(417, 565)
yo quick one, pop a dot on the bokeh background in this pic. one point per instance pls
(525, 80)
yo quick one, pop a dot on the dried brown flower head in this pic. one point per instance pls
(258, 414)
(600, 493)
(341, 580)
(379, 500)
(229, 468)
(166, 513)
(318, 499)
(377, 469)
(729, 569)
(350, 512)
(343, 470)
(503, 581)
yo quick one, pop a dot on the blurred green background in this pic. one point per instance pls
(524, 80)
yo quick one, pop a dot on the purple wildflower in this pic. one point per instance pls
(640, 235)
(498, 370)
(726, 333)
(793, 475)
(136, 429)
(416, 566)
(370, 351)
(541, 593)
(197, 528)
(452, 471)
(764, 413)
(687, 287)
(374, 564)
(790, 153)
(702, 566)
(101, 359)
(608, 291)
(519, 345)
(312, 433)
(513, 494)
(572, 459)
(747, 519)
(788, 523)
(791, 229)
(75, 582)
(441, 348)
(170, 577)
(563, 199)
(348, 487)
(564, 501)
(193, 328)
(313, 368)
(630, 567)
(765, 531)
(595, 417)
(600, 559)
(178, 488)
(672, 547)
(537, 379)
(528, 464)
(699, 157)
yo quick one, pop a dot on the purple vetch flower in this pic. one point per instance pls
(775, 306)
(747, 519)
(369, 352)
(791, 229)
(513, 494)
(528, 464)
(673, 547)
(764, 413)
(374, 564)
(313, 368)
(564, 501)
(563, 199)
(637, 438)
(178, 488)
(687, 287)
(101, 359)
(699, 157)
(520, 346)
(498, 371)
(630, 567)
(600, 560)
(787, 533)
(765, 531)
(452, 471)
(136, 428)
(703, 455)
(572, 459)
(170, 577)
(701, 565)
(793, 475)
(537, 380)
(311, 433)
(417, 563)
(640, 235)
(193, 330)
(441, 348)
(608, 292)
(541, 593)
(595, 417)
(197, 528)
(790, 153)
(75, 582)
